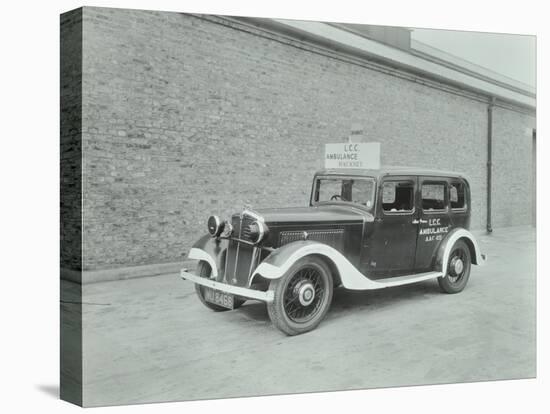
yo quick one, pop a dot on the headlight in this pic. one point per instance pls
(215, 226)
(257, 231)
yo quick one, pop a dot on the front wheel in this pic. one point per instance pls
(302, 296)
(458, 269)
(204, 270)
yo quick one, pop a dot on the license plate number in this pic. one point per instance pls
(218, 298)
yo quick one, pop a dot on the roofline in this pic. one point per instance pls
(392, 171)
(340, 39)
(447, 59)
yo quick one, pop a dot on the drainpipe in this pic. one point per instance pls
(489, 163)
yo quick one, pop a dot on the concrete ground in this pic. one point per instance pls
(150, 339)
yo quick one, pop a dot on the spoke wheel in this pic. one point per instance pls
(301, 297)
(458, 269)
(304, 294)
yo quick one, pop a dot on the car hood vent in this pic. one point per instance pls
(332, 237)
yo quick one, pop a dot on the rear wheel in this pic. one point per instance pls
(458, 269)
(204, 270)
(302, 296)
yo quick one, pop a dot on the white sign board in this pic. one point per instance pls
(353, 155)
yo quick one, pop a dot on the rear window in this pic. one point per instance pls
(458, 195)
(433, 196)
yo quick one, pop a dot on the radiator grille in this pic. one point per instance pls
(240, 256)
(245, 227)
(332, 237)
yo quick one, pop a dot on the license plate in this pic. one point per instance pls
(218, 298)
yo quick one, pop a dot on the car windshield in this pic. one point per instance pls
(356, 190)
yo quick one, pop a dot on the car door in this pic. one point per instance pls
(434, 219)
(392, 244)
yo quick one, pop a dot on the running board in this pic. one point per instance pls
(405, 280)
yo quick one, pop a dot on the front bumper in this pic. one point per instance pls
(224, 287)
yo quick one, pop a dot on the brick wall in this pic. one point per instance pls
(70, 311)
(184, 117)
(70, 139)
(512, 168)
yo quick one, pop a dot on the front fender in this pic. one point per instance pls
(211, 250)
(278, 262)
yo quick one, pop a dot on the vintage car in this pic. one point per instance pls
(363, 229)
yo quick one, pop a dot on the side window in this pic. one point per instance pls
(433, 196)
(363, 192)
(398, 196)
(457, 195)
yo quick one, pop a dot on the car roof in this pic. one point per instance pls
(391, 170)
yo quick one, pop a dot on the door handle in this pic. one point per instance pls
(415, 221)
(423, 221)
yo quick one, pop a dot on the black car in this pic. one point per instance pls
(363, 229)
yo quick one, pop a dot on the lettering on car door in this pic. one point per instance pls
(434, 221)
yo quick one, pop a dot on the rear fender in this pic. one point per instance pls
(442, 257)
